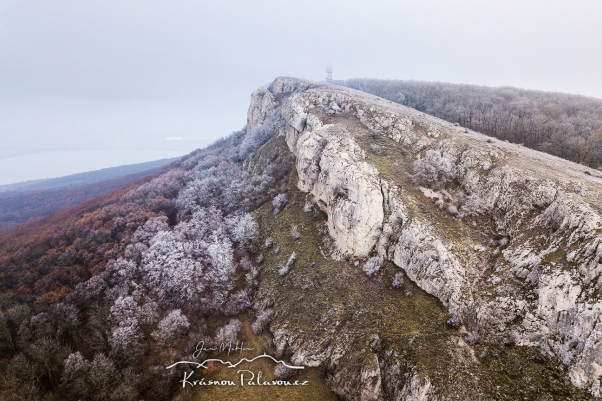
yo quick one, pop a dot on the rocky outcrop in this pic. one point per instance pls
(331, 167)
(509, 239)
(418, 389)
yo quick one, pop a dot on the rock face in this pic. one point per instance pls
(331, 166)
(507, 238)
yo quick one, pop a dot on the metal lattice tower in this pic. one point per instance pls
(329, 73)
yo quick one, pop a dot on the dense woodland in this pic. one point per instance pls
(568, 126)
(96, 301)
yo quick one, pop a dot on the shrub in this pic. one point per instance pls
(285, 268)
(261, 322)
(373, 265)
(433, 169)
(376, 149)
(279, 202)
(295, 232)
(398, 280)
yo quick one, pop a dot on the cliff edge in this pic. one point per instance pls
(508, 239)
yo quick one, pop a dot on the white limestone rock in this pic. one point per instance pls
(543, 216)
(418, 388)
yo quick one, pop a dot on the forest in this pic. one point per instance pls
(95, 300)
(568, 126)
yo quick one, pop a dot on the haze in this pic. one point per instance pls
(109, 77)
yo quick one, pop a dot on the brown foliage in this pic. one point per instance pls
(46, 258)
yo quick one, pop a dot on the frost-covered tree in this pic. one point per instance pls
(90, 288)
(228, 333)
(134, 252)
(253, 139)
(150, 229)
(125, 336)
(171, 327)
(243, 229)
(148, 313)
(170, 271)
(125, 268)
(125, 341)
(74, 374)
(203, 225)
(124, 311)
(204, 191)
(222, 261)
(75, 364)
(261, 322)
(237, 302)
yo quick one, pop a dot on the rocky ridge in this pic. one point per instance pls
(507, 238)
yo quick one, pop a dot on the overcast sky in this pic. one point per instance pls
(130, 74)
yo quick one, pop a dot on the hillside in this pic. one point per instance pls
(89, 177)
(34, 199)
(389, 254)
(568, 126)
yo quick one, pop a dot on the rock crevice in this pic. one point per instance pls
(536, 282)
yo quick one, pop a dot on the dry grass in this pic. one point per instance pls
(322, 302)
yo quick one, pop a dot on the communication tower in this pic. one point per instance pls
(329, 73)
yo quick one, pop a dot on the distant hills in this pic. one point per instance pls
(84, 178)
(29, 200)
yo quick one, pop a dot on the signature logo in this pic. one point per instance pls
(246, 377)
(229, 346)
(233, 365)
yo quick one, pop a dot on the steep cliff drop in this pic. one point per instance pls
(507, 239)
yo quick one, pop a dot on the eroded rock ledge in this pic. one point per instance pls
(521, 262)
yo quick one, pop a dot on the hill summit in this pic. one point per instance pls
(507, 238)
(391, 254)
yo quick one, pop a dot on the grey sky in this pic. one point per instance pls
(128, 74)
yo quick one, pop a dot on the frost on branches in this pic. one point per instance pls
(149, 304)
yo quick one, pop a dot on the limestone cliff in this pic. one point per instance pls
(507, 238)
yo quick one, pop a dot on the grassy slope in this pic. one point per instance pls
(317, 390)
(322, 301)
